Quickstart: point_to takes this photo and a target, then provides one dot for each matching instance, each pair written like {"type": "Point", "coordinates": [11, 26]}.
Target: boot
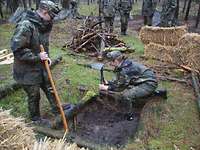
{"type": "Point", "coordinates": [162, 93]}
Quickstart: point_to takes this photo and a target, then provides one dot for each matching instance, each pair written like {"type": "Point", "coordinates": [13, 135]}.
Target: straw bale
{"type": "Point", "coordinates": [161, 35]}
{"type": "Point", "coordinates": [14, 134]}
{"type": "Point", "coordinates": [188, 50]}
{"type": "Point", "coordinates": [158, 51]}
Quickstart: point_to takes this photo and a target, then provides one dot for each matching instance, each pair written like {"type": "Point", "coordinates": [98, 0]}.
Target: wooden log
{"type": "Point", "coordinates": [186, 68]}
{"type": "Point", "coordinates": [196, 86]}
{"type": "Point", "coordinates": [86, 42]}
{"type": "Point", "coordinates": [4, 52]}
{"type": "Point", "coordinates": [165, 78]}
{"type": "Point", "coordinates": [70, 137]}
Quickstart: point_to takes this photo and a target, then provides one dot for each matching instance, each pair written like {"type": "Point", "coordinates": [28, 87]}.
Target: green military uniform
{"type": "Point", "coordinates": [148, 9]}
{"type": "Point", "coordinates": [168, 18]}
{"type": "Point", "coordinates": [124, 8]}
{"type": "Point", "coordinates": [74, 8]}
{"type": "Point", "coordinates": [28, 70]}
{"type": "Point", "coordinates": [133, 82]}
{"type": "Point", "coordinates": [108, 11]}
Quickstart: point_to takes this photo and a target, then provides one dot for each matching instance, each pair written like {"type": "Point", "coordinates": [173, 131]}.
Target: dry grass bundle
{"type": "Point", "coordinates": [14, 134]}
{"type": "Point", "coordinates": [160, 35]}
{"type": "Point", "coordinates": [188, 50]}
{"type": "Point", "coordinates": [153, 50]}
{"type": "Point", "coordinates": [48, 144]}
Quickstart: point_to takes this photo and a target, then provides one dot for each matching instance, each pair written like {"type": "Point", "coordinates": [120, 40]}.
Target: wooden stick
{"type": "Point", "coordinates": [170, 62]}
{"type": "Point", "coordinates": [55, 93]}
{"type": "Point", "coordinates": [76, 50]}
{"type": "Point", "coordinates": [164, 78]}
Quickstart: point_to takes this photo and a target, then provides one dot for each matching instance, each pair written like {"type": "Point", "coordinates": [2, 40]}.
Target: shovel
{"type": "Point", "coordinates": [55, 93]}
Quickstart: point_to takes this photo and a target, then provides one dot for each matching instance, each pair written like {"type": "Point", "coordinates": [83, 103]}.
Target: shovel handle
{"type": "Point", "coordinates": [57, 98]}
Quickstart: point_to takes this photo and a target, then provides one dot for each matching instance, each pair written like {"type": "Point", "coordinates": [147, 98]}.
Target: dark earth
{"type": "Point", "coordinates": [104, 121]}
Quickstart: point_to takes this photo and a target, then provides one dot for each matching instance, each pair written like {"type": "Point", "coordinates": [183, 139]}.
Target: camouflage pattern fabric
{"type": "Point", "coordinates": [148, 9]}
{"type": "Point", "coordinates": [168, 13]}
{"type": "Point", "coordinates": [124, 8]}
{"type": "Point", "coordinates": [108, 10]}
{"type": "Point", "coordinates": [28, 69]}
{"type": "Point", "coordinates": [133, 81]}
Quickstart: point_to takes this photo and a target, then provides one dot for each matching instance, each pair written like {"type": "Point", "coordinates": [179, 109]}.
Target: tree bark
{"type": "Point", "coordinates": [65, 4]}
{"type": "Point", "coordinates": [177, 10]}
{"type": "Point", "coordinates": [184, 6]}
{"type": "Point", "coordinates": [37, 3]}
{"type": "Point", "coordinates": [198, 17]}
{"type": "Point", "coordinates": [188, 10]}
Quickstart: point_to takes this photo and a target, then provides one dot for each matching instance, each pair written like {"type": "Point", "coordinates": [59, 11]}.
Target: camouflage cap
{"type": "Point", "coordinates": [52, 7]}
{"type": "Point", "coordinates": [113, 55]}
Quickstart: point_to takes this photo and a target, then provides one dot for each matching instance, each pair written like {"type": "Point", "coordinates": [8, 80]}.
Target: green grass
{"type": "Point", "coordinates": [135, 43]}
{"type": "Point", "coordinates": [86, 10]}
{"type": "Point", "coordinates": [6, 31]}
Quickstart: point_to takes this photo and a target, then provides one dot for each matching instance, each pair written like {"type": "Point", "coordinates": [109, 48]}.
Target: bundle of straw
{"type": "Point", "coordinates": [14, 134]}
{"type": "Point", "coordinates": [154, 50]}
{"type": "Point", "coordinates": [160, 35]}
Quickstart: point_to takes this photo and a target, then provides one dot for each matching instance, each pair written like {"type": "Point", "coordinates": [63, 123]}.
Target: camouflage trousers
{"type": "Point", "coordinates": [124, 16]}
{"type": "Point", "coordinates": [109, 21]}
{"type": "Point", "coordinates": [33, 93]}
{"type": "Point", "coordinates": [137, 95]}
{"type": "Point", "coordinates": [148, 20]}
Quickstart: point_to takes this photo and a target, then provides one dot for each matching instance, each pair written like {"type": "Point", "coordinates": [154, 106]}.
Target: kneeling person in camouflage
{"type": "Point", "coordinates": [133, 80]}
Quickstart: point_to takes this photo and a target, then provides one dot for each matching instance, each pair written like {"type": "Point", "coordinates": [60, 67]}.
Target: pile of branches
{"type": "Point", "coordinates": [90, 37]}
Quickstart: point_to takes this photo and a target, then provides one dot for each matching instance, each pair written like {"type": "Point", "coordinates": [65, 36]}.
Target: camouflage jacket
{"type": "Point", "coordinates": [148, 7]}
{"type": "Point", "coordinates": [131, 73]}
{"type": "Point", "coordinates": [30, 32]}
{"type": "Point", "coordinates": [108, 8]}
{"type": "Point", "coordinates": [168, 7]}
{"type": "Point", "coordinates": [124, 5]}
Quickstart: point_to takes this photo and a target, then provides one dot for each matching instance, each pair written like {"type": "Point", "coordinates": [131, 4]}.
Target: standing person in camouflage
{"type": "Point", "coordinates": [74, 8]}
{"type": "Point", "coordinates": [148, 9]}
{"type": "Point", "coordinates": [133, 80]}
{"type": "Point", "coordinates": [28, 69]}
{"type": "Point", "coordinates": [124, 7]}
{"type": "Point", "coordinates": [168, 18]}
{"type": "Point", "coordinates": [108, 11]}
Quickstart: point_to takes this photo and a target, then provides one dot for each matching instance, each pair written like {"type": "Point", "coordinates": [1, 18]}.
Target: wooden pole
{"type": "Point", "coordinates": [55, 93]}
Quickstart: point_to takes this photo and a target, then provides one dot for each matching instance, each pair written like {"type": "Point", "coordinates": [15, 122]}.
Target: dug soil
{"type": "Point", "coordinates": [104, 122]}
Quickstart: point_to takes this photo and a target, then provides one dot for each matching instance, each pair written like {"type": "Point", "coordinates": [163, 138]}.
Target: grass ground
{"type": "Point", "coordinates": [166, 125]}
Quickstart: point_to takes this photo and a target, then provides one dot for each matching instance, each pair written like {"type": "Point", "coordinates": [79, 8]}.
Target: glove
{"type": "Point", "coordinates": [44, 56]}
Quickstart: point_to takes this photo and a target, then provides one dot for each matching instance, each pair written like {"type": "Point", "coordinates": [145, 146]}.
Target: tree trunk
{"type": "Point", "coordinates": [37, 3]}
{"type": "Point", "coordinates": [184, 6]}
{"type": "Point", "coordinates": [29, 3]}
{"type": "Point", "coordinates": [188, 10]}
{"type": "Point", "coordinates": [24, 2]}
{"type": "Point", "coordinates": [1, 6]}
{"type": "Point", "coordinates": [65, 4]}
{"type": "Point", "coordinates": [177, 10]}
{"type": "Point", "coordinates": [198, 17]}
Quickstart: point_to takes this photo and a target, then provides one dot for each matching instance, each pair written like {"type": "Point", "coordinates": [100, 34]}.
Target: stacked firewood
{"type": "Point", "coordinates": [90, 37]}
